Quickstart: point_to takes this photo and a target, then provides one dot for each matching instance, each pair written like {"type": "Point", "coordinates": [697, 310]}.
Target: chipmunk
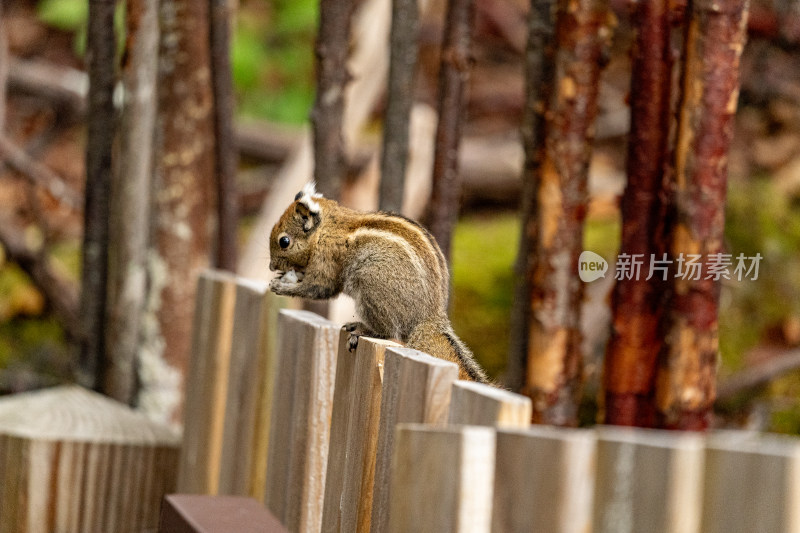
{"type": "Point", "coordinates": [390, 265]}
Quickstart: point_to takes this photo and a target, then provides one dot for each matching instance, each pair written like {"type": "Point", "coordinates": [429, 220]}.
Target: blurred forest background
{"type": "Point", "coordinates": [42, 170]}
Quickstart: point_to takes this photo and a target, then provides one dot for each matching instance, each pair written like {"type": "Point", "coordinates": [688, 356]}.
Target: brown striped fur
{"type": "Point", "coordinates": [390, 265]}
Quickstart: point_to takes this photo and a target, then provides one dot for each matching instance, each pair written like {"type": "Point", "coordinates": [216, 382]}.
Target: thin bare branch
{"type": "Point", "coordinates": [454, 70]}
{"type": "Point", "coordinates": [38, 174]}
{"type": "Point", "coordinates": [403, 50]}
{"type": "Point", "coordinates": [226, 157]}
{"type": "Point", "coordinates": [100, 53]}
{"type": "Point", "coordinates": [333, 46]}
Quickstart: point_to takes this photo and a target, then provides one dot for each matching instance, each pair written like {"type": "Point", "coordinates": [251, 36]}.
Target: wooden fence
{"type": "Point", "coordinates": [385, 439]}
{"type": "Point", "coordinates": [388, 439]}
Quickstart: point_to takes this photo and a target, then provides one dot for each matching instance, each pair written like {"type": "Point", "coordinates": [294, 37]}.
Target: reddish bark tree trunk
{"type": "Point", "coordinates": [554, 369]}
{"type": "Point", "coordinates": [636, 339]}
{"type": "Point", "coordinates": [184, 217]}
{"type": "Point", "coordinates": [453, 77]}
{"type": "Point", "coordinates": [715, 38]}
{"type": "Point", "coordinates": [333, 46]}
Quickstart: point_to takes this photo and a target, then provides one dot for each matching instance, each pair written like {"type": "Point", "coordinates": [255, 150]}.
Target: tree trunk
{"type": "Point", "coordinates": [184, 217]}
{"type": "Point", "coordinates": [637, 303]}
{"type": "Point", "coordinates": [555, 364]}
{"type": "Point", "coordinates": [4, 56]}
{"type": "Point", "coordinates": [130, 201]}
{"type": "Point", "coordinates": [333, 45]}
{"type": "Point", "coordinates": [100, 51]}
{"type": "Point", "coordinates": [714, 41]}
{"type": "Point", "coordinates": [403, 50]}
{"type": "Point", "coordinates": [539, 80]}
{"type": "Point", "coordinates": [226, 155]}
{"type": "Point", "coordinates": [453, 77]}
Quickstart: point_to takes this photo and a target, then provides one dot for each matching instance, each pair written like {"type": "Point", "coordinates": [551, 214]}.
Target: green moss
{"type": "Point", "coordinates": [273, 60]}
{"type": "Point", "coordinates": [484, 251]}
{"type": "Point", "coordinates": [601, 236]}
{"type": "Point", "coordinates": [749, 307]}
{"type": "Point", "coordinates": [73, 15]}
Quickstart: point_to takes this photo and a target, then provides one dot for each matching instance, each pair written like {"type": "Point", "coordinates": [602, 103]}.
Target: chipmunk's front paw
{"type": "Point", "coordinates": [286, 284]}
{"type": "Point", "coordinates": [356, 330]}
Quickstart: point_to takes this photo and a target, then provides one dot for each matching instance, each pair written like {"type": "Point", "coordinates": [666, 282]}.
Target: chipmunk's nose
{"type": "Point", "coordinates": [272, 265]}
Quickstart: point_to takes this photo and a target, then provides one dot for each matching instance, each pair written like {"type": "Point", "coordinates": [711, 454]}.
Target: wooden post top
{"type": "Point", "coordinates": [73, 413]}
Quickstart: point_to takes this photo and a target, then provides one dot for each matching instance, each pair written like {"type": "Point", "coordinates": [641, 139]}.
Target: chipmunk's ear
{"type": "Point", "coordinates": [307, 206]}
{"type": "Point", "coordinates": [309, 218]}
{"type": "Point", "coordinates": [308, 197]}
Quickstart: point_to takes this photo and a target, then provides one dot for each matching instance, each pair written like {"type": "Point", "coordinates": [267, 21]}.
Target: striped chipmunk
{"type": "Point", "coordinates": [390, 265]}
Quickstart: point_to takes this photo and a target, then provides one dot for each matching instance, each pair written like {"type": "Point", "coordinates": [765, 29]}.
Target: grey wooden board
{"type": "Point", "coordinates": [416, 389]}
{"type": "Point", "coordinates": [484, 405]}
{"type": "Point", "coordinates": [301, 417]}
{"type": "Point", "coordinates": [648, 480]}
{"type": "Point", "coordinates": [544, 480]}
{"type": "Point", "coordinates": [752, 483]}
{"type": "Point", "coordinates": [442, 479]}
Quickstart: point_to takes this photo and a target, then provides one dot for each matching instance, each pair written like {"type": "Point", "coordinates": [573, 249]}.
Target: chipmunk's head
{"type": "Point", "coordinates": [292, 237]}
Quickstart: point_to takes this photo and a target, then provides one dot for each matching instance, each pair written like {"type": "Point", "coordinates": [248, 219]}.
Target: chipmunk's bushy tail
{"type": "Point", "coordinates": [437, 338]}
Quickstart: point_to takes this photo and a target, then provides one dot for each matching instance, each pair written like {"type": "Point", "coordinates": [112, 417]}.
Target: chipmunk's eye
{"type": "Point", "coordinates": [284, 242]}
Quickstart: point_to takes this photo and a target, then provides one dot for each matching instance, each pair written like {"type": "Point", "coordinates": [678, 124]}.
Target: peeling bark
{"type": "Point", "coordinates": [403, 50]}
{"type": "Point", "coordinates": [130, 201]}
{"type": "Point", "coordinates": [636, 339]}
{"type": "Point", "coordinates": [100, 49]}
{"type": "Point", "coordinates": [456, 57]}
{"type": "Point", "coordinates": [554, 369]}
{"type": "Point", "coordinates": [184, 217]}
{"type": "Point", "coordinates": [715, 38]}
{"type": "Point", "coordinates": [333, 46]}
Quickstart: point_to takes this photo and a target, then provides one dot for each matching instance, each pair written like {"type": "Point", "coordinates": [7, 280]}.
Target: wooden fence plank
{"type": "Point", "coordinates": [442, 479]}
{"type": "Point", "coordinates": [648, 480]}
{"type": "Point", "coordinates": [752, 483]}
{"type": "Point", "coordinates": [73, 460]}
{"type": "Point", "coordinates": [544, 480]}
{"type": "Point", "coordinates": [251, 374]}
{"type": "Point", "coordinates": [301, 417]}
{"type": "Point", "coordinates": [206, 383]}
{"type": "Point", "coordinates": [362, 435]}
{"type": "Point", "coordinates": [354, 435]}
{"type": "Point", "coordinates": [483, 405]}
{"type": "Point", "coordinates": [340, 424]}
{"type": "Point", "coordinates": [416, 389]}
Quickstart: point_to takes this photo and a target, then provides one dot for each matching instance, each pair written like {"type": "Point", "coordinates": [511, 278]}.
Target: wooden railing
{"type": "Point", "coordinates": [388, 439]}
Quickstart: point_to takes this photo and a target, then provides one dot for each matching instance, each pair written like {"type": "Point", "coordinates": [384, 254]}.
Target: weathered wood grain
{"type": "Point", "coordinates": [544, 480]}
{"type": "Point", "coordinates": [483, 405]}
{"type": "Point", "coordinates": [648, 480]}
{"type": "Point", "coordinates": [301, 417]}
{"type": "Point", "coordinates": [73, 460]}
{"type": "Point", "coordinates": [416, 389]}
{"type": "Point", "coordinates": [442, 479]}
